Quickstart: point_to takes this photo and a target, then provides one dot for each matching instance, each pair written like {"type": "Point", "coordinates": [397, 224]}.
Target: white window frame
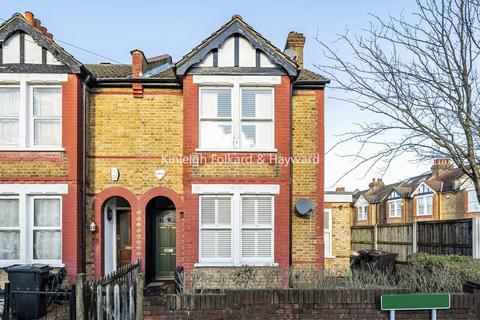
{"type": "Point", "coordinates": [237, 83]}
{"type": "Point", "coordinates": [24, 81]}
{"type": "Point", "coordinates": [31, 117]}
{"type": "Point", "coordinates": [241, 120]}
{"type": "Point", "coordinates": [362, 213]}
{"type": "Point", "coordinates": [236, 191]}
{"type": "Point", "coordinates": [216, 226]}
{"type": "Point", "coordinates": [20, 228]}
{"type": "Point", "coordinates": [25, 193]}
{"type": "Point", "coordinates": [424, 212]}
{"type": "Point", "coordinates": [397, 206]}
{"type": "Point", "coordinates": [327, 234]}
{"type": "Point", "coordinates": [32, 228]}
{"type": "Point", "coordinates": [470, 201]}
{"type": "Point", "coordinates": [246, 260]}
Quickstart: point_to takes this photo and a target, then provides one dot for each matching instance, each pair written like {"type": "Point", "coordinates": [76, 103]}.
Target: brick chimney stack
{"type": "Point", "coordinates": [375, 185]}
{"type": "Point", "coordinates": [138, 67]}
{"type": "Point", "coordinates": [441, 165]}
{"type": "Point", "coordinates": [296, 41]}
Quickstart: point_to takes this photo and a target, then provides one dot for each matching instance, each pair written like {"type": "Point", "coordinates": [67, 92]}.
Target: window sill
{"type": "Point", "coordinates": [32, 149]}
{"type": "Point", "coordinates": [362, 220]}
{"type": "Point", "coordinates": [395, 217]}
{"type": "Point", "coordinates": [237, 150]}
{"type": "Point", "coordinates": [423, 215]}
{"type": "Point", "coordinates": [9, 263]}
{"type": "Point", "coordinates": [231, 265]}
{"type": "Point", "coordinates": [329, 257]}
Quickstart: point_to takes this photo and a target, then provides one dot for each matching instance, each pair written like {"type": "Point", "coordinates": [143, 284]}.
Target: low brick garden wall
{"type": "Point", "coordinates": [296, 304]}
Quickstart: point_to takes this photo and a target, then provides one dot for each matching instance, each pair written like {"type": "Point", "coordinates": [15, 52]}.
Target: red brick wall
{"type": "Point", "coordinates": [187, 231]}
{"type": "Point", "coordinates": [72, 127]}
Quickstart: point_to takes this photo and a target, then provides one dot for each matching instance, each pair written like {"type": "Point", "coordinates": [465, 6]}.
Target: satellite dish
{"type": "Point", "coordinates": [292, 54]}
{"type": "Point", "coordinates": [304, 206]}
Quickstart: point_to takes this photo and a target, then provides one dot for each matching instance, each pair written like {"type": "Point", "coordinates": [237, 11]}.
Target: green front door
{"type": "Point", "coordinates": [165, 244]}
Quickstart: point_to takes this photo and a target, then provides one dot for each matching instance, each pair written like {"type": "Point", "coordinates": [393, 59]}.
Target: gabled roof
{"type": "Point", "coordinates": [106, 71]}
{"type": "Point", "coordinates": [236, 25]}
{"type": "Point", "coordinates": [18, 23]}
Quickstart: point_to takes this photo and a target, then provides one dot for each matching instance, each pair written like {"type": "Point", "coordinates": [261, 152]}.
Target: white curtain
{"type": "Point", "coordinates": [9, 105]}
{"type": "Point", "coordinates": [47, 245]}
{"type": "Point", "coordinates": [8, 213]}
{"type": "Point", "coordinates": [47, 213]}
{"type": "Point", "coordinates": [47, 112]}
{"type": "Point", "coordinates": [9, 245]}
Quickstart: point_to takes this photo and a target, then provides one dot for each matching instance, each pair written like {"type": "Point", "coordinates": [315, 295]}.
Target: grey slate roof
{"type": "Point", "coordinates": [122, 71]}
{"type": "Point", "coordinates": [307, 75]}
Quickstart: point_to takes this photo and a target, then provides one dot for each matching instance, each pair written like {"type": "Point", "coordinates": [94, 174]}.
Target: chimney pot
{"type": "Point", "coordinates": [296, 41]}
{"type": "Point", "coordinates": [49, 36]}
{"type": "Point", "coordinates": [29, 17]}
{"type": "Point", "coordinates": [340, 189]}
{"type": "Point", "coordinates": [37, 23]}
{"type": "Point", "coordinates": [43, 30]}
{"type": "Point", "coordinates": [440, 165]}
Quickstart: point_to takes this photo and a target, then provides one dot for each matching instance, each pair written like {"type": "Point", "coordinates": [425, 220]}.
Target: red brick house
{"type": "Point", "coordinates": [41, 148]}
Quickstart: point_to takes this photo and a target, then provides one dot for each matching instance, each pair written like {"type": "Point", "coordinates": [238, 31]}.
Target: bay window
{"type": "Point", "coordinates": [30, 116]}
{"type": "Point", "coordinates": [31, 227]}
{"type": "Point", "coordinates": [236, 118]}
{"type": "Point", "coordinates": [473, 205]}
{"type": "Point", "coordinates": [395, 208]}
{"type": "Point", "coordinates": [424, 205]}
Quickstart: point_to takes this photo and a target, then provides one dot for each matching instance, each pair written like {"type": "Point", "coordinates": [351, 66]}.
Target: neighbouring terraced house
{"type": "Point", "coordinates": [441, 194]}
{"type": "Point", "coordinates": [179, 164]}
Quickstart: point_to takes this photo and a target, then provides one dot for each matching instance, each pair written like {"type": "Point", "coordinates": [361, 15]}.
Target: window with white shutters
{"type": "Point", "coordinates": [256, 119]}
{"type": "Point", "coordinates": [257, 229]}
{"type": "Point", "coordinates": [216, 118]}
{"type": "Point", "coordinates": [216, 228]}
{"type": "Point", "coordinates": [236, 118]}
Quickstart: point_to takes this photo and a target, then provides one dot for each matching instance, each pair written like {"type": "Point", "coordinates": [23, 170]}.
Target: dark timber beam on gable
{"type": "Point", "coordinates": [235, 27]}
{"type": "Point", "coordinates": [18, 24]}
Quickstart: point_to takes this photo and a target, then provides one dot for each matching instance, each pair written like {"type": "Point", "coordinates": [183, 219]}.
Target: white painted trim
{"type": "Point", "coordinates": [423, 184]}
{"type": "Point", "coordinates": [361, 202]}
{"type": "Point", "coordinates": [338, 198]}
{"type": "Point", "coordinates": [33, 188]}
{"type": "Point", "coordinates": [468, 190]}
{"type": "Point", "coordinates": [229, 265]}
{"type": "Point", "coordinates": [235, 188]}
{"type": "Point", "coordinates": [395, 203]}
{"type": "Point", "coordinates": [235, 191]}
{"type": "Point", "coordinates": [425, 198]}
{"type": "Point", "coordinates": [330, 233]}
{"type": "Point", "coordinates": [33, 78]}
{"type": "Point", "coordinates": [274, 150]}
{"type": "Point", "coordinates": [239, 80]}
{"type": "Point", "coordinates": [26, 194]}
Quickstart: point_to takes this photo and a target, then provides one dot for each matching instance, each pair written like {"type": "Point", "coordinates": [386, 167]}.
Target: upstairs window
{"type": "Point", "coordinates": [395, 208]}
{"type": "Point", "coordinates": [30, 117]}
{"type": "Point", "coordinates": [256, 119]}
{"type": "Point", "coordinates": [236, 118]}
{"type": "Point", "coordinates": [362, 213]}
{"type": "Point", "coordinates": [473, 205]}
{"type": "Point", "coordinates": [9, 115]}
{"type": "Point", "coordinates": [47, 116]}
{"type": "Point", "coordinates": [424, 205]}
{"type": "Point", "coordinates": [327, 234]}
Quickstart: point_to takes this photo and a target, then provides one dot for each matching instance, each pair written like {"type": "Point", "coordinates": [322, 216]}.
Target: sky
{"type": "Point", "coordinates": [113, 28]}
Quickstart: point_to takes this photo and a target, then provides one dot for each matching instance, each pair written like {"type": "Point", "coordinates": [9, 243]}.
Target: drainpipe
{"type": "Point", "coordinates": [290, 213]}
{"type": "Point", "coordinates": [84, 174]}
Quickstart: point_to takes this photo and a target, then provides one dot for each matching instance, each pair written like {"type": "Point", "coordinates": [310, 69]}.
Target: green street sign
{"type": "Point", "coordinates": [415, 301]}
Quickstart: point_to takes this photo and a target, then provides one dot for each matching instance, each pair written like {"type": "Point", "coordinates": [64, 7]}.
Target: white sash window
{"type": "Point", "coordinates": [47, 116]}
{"type": "Point", "coordinates": [9, 115]}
